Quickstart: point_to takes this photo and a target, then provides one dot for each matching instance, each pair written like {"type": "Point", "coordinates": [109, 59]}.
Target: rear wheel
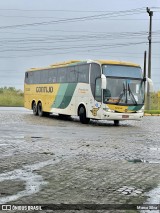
{"type": "Point", "coordinates": [34, 108]}
{"type": "Point", "coordinates": [82, 116]}
{"type": "Point", "coordinates": [116, 122]}
{"type": "Point", "coordinates": [40, 109]}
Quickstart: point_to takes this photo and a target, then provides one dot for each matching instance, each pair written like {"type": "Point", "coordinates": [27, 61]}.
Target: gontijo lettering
{"type": "Point", "coordinates": [44, 89]}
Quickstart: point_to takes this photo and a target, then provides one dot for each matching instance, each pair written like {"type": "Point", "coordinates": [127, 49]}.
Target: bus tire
{"type": "Point", "coordinates": [40, 109]}
{"type": "Point", "coordinates": [116, 122]}
{"type": "Point", "coordinates": [82, 115]}
{"type": "Point", "coordinates": [34, 108]}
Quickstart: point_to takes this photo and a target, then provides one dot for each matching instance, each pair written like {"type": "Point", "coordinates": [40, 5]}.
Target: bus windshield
{"type": "Point", "coordinates": [125, 85]}
{"type": "Point", "coordinates": [122, 71]}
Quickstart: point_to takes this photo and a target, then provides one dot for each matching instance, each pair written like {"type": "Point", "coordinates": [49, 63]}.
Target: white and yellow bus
{"type": "Point", "coordinates": [92, 89]}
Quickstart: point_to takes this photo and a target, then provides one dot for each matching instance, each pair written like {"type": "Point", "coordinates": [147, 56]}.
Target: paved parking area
{"type": "Point", "coordinates": [51, 160]}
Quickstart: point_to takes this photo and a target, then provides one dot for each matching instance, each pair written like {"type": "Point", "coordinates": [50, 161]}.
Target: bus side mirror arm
{"type": "Point", "coordinates": [103, 81]}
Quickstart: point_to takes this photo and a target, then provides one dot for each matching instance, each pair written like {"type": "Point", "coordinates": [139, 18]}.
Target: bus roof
{"type": "Point", "coordinates": [77, 62]}
{"type": "Point", "coordinates": [117, 63]}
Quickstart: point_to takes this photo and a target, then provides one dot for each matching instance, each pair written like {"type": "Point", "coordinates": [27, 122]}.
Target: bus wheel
{"type": "Point", "coordinates": [82, 116]}
{"type": "Point", "coordinates": [40, 110]}
{"type": "Point", "coordinates": [116, 122]}
{"type": "Point", "coordinates": [34, 108]}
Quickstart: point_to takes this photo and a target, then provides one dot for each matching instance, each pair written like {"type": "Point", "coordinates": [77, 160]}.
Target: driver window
{"type": "Point", "coordinates": [106, 95]}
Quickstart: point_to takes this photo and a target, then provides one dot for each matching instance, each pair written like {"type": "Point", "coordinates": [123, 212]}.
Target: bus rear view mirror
{"type": "Point", "coordinates": [150, 84]}
{"type": "Point", "coordinates": [104, 81]}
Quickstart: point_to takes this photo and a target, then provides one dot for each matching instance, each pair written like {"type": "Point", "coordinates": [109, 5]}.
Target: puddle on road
{"type": "Point", "coordinates": [13, 137]}
{"type": "Point", "coordinates": [154, 195]}
{"type": "Point", "coordinates": [154, 148]}
{"type": "Point", "coordinates": [154, 198]}
{"type": "Point", "coordinates": [130, 190]}
{"type": "Point", "coordinates": [33, 181]}
{"type": "Point", "coordinates": [36, 137]}
{"type": "Point", "coordinates": [153, 151]}
{"type": "Point", "coordinates": [143, 161]}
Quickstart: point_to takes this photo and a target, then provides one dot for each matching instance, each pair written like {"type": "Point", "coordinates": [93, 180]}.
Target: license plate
{"type": "Point", "coordinates": [125, 116]}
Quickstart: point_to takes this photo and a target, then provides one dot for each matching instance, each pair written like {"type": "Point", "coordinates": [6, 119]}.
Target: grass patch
{"type": "Point", "coordinates": [10, 97]}
{"type": "Point", "coordinates": [152, 112]}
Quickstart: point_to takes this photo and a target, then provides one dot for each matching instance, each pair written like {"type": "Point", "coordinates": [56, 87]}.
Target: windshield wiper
{"type": "Point", "coordinates": [129, 89]}
{"type": "Point", "coordinates": [125, 92]}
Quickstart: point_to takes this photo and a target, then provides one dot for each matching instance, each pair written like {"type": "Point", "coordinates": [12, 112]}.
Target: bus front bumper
{"type": "Point", "coordinates": [123, 116]}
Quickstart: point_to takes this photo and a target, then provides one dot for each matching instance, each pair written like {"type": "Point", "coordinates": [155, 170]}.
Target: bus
{"type": "Point", "coordinates": [91, 89]}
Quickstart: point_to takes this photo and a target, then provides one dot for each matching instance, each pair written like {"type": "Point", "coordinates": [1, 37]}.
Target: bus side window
{"type": "Point", "coordinates": [98, 90]}
{"type": "Point", "coordinates": [36, 77]}
{"type": "Point", "coordinates": [30, 77]}
{"type": "Point", "coordinates": [71, 75]}
{"type": "Point", "coordinates": [52, 76]}
{"type": "Point", "coordinates": [26, 77]}
{"type": "Point", "coordinates": [61, 75]}
{"type": "Point", "coordinates": [83, 73]}
{"type": "Point", "coordinates": [43, 77]}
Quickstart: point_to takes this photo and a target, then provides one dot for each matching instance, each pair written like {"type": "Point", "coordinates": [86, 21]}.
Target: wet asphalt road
{"type": "Point", "coordinates": [53, 160]}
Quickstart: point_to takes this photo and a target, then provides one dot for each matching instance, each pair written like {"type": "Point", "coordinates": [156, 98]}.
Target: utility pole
{"type": "Point", "coordinates": [149, 56]}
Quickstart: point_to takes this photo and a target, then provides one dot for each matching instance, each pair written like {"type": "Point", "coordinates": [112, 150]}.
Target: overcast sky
{"type": "Point", "coordinates": [41, 32]}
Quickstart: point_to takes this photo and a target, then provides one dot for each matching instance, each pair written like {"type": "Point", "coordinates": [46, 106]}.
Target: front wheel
{"type": "Point", "coordinates": [82, 116]}
{"type": "Point", "coordinates": [40, 109]}
{"type": "Point", "coordinates": [116, 122]}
